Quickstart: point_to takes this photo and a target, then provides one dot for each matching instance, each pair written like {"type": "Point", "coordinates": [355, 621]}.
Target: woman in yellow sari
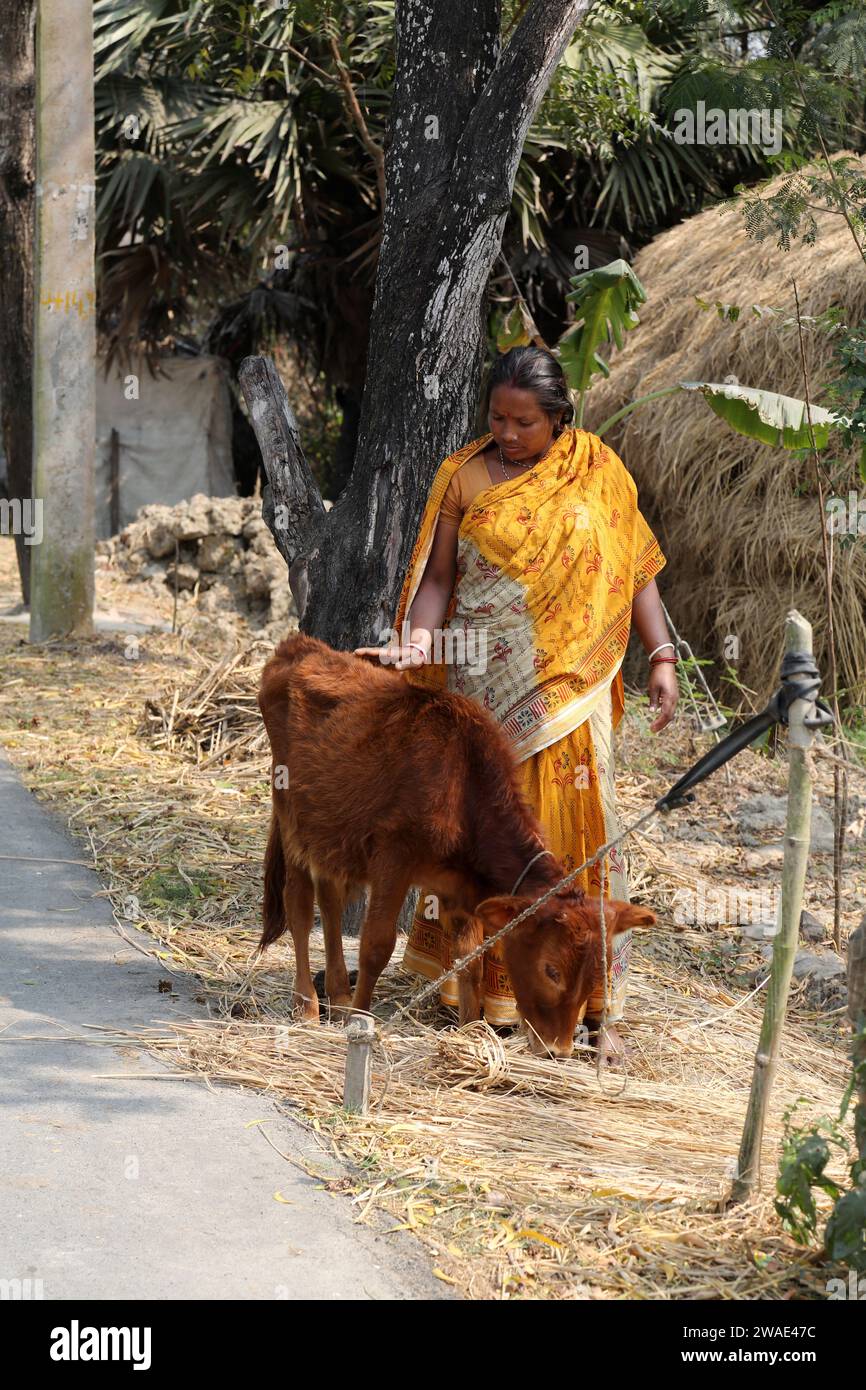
{"type": "Point", "coordinates": [532, 561]}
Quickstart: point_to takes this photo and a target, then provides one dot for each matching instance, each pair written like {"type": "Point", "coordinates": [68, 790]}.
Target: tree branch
{"type": "Point", "coordinates": [356, 114]}
{"type": "Point", "coordinates": [493, 140]}
{"type": "Point", "coordinates": [291, 504]}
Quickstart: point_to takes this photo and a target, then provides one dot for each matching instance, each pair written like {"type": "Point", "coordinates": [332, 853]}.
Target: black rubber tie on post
{"type": "Point", "coordinates": [800, 681]}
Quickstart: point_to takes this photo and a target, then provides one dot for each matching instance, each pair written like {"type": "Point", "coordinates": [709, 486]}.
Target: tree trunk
{"type": "Point", "coordinates": [64, 338]}
{"type": "Point", "coordinates": [17, 219]}
{"type": "Point", "coordinates": [459, 116]}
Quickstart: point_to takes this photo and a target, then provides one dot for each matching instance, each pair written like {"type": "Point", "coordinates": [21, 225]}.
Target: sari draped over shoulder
{"type": "Point", "coordinates": [548, 565]}
{"type": "Point", "coordinates": [535, 630]}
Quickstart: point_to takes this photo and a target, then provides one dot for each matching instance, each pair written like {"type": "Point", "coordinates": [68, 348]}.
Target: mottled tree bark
{"type": "Point", "coordinates": [17, 221]}
{"type": "Point", "coordinates": [460, 113]}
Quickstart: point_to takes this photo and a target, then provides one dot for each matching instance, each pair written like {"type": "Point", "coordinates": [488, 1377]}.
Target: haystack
{"type": "Point", "coordinates": [739, 521]}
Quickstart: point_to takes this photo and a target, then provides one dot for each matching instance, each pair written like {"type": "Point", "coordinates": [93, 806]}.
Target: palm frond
{"type": "Point", "coordinates": [122, 28]}
{"type": "Point", "coordinates": [650, 178]}
{"type": "Point", "coordinates": [136, 182]}
{"type": "Point", "coordinates": [609, 45]}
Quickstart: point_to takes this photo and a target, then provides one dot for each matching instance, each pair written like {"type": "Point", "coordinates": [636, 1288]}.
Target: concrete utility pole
{"type": "Point", "coordinates": [64, 415]}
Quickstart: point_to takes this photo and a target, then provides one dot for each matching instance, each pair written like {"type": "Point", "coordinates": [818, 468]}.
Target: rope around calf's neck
{"type": "Point", "coordinates": [433, 985]}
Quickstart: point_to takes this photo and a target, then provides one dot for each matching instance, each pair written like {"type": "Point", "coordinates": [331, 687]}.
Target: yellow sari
{"type": "Point", "coordinates": [536, 628]}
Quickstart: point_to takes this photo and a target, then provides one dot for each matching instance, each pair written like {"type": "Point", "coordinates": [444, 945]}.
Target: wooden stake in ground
{"type": "Point", "coordinates": [65, 313]}
{"type": "Point", "coordinates": [798, 638]}
{"type": "Point", "coordinates": [360, 1033]}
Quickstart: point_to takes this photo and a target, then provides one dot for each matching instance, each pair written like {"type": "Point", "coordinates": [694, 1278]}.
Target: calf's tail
{"type": "Point", "coordinates": [273, 902]}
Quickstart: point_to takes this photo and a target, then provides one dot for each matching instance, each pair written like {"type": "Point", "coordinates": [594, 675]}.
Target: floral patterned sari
{"type": "Point", "coordinates": [536, 628]}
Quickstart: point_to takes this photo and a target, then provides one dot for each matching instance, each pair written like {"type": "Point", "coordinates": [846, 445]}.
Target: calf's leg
{"type": "Point", "coordinates": [298, 906]}
{"type": "Point", "coordinates": [379, 934]}
{"type": "Point", "coordinates": [466, 933]}
{"type": "Point", "coordinates": [331, 898]}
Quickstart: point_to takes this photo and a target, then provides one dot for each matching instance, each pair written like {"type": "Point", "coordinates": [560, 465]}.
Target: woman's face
{"type": "Point", "coordinates": [518, 424]}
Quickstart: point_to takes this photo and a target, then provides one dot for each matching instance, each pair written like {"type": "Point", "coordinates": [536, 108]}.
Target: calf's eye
{"type": "Point", "coordinates": [552, 973]}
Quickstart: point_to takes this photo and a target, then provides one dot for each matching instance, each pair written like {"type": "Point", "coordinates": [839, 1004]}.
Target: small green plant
{"type": "Point", "coordinates": [693, 690]}
{"type": "Point", "coordinates": [167, 888]}
{"type": "Point", "coordinates": [805, 1154]}
{"type": "Point", "coordinates": [837, 185]}
{"type": "Point", "coordinates": [855, 730]}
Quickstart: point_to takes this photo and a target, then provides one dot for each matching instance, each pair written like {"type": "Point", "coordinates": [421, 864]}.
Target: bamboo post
{"type": "Point", "coordinates": [360, 1033]}
{"type": "Point", "coordinates": [798, 637]}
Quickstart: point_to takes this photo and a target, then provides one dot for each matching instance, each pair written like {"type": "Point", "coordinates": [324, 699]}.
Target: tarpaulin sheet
{"type": "Point", "coordinates": [173, 441]}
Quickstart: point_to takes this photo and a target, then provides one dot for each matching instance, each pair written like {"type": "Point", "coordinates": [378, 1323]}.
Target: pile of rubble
{"type": "Point", "coordinates": [216, 552]}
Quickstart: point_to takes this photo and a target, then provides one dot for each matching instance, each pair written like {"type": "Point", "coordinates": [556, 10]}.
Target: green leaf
{"type": "Point", "coordinates": [727, 312]}
{"type": "Point", "coordinates": [767, 416]}
{"type": "Point", "coordinates": [606, 302]}
{"type": "Point", "coordinates": [512, 330]}
{"type": "Point", "coordinates": [845, 1236]}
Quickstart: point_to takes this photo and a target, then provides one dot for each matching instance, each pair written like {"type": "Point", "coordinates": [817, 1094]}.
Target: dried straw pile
{"type": "Point", "coordinates": [738, 521]}
{"type": "Point", "coordinates": [214, 715]}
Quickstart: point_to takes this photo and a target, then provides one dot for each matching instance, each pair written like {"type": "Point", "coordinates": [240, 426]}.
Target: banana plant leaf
{"type": "Point", "coordinates": [606, 301]}
{"type": "Point", "coordinates": [767, 416]}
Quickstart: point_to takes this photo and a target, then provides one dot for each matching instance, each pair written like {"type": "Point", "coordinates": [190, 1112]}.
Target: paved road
{"type": "Point", "coordinates": [112, 1188]}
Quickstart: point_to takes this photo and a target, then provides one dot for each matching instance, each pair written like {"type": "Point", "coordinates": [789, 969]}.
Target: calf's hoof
{"type": "Point", "coordinates": [305, 1010]}
{"type": "Point", "coordinates": [341, 1009]}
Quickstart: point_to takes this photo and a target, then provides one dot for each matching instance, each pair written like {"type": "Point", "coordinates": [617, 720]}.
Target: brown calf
{"type": "Point", "coordinates": [377, 782]}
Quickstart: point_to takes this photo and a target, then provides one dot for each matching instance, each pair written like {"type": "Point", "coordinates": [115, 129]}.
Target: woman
{"type": "Point", "coordinates": [531, 564]}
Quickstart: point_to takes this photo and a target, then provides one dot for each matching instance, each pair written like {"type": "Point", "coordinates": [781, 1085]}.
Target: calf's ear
{"type": "Point", "coordinates": [572, 894]}
{"type": "Point", "coordinates": [324, 689]}
{"type": "Point", "coordinates": [631, 915]}
{"type": "Point", "coordinates": [495, 912]}
{"type": "Point", "coordinates": [466, 931]}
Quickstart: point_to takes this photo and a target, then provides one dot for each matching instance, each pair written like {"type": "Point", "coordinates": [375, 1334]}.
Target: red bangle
{"type": "Point", "coordinates": [671, 659]}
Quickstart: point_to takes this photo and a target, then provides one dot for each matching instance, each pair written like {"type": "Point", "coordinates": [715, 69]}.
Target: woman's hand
{"type": "Point", "coordinates": [394, 654]}
{"type": "Point", "coordinates": [663, 693]}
